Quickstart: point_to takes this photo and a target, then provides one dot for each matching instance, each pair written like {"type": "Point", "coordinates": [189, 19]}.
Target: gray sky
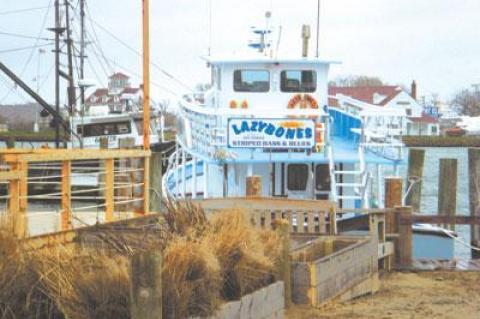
{"type": "Point", "coordinates": [432, 41]}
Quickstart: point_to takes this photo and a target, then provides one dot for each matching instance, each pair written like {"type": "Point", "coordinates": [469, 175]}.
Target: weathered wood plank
{"type": "Point", "coordinates": [474, 196]}
{"type": "Point", "coordinates": [447, 187]}
{"type": "Point", "coordinates": [416, 160]}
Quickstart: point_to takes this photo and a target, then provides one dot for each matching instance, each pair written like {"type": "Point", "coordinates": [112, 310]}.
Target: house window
{"type": "Point", "coordinates": [297, 175]}
{"type": "Point", "coordinates": [409, 112]}
{"type": "Point", "coordinates": [434, 129]}
{"type": "Point", "coordinates": [251, 81]}
{"type": "Point", "coordinates": [298, 81]}
{"type": "Point", "coordinates": [102, 129]}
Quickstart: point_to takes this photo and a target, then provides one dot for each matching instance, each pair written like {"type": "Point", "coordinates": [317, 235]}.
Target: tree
{"type": "Point", "coordinates": [356, 80]}
{"type": "Point", "coordinates": [467, 102]}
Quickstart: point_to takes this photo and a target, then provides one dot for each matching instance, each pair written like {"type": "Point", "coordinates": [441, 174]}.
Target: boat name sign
{"type": "Point", "coordinates": [271, 133]}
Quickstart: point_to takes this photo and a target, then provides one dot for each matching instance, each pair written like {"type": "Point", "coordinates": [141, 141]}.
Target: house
{"type": "Point", "coordinates": [120, 96]}
{"type": "Point", "coordinates": [417, 121]}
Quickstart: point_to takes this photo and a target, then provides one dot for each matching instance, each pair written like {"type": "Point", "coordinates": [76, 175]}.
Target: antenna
{"type": "Point", "coordinates": [318, 27]}
{"type": "Point", "coordinates": [209, 27]}
{"type": "Point", "coordinates": [278, 41]}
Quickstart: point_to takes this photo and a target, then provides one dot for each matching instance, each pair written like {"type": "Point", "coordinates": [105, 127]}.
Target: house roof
{"type": "Point", "coordinates": [98, 93]}
{"type": "Point", "coordinates": [130, 90]}
{"type": "Point", "coordinates": [118, 75]}
{"type": "Point", "coordinates": [367, 93]}
{"type": "Point", "coordinates": [425, 118]}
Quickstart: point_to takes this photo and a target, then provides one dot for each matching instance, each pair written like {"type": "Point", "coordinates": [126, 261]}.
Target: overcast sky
{"type": "Point", "coordinates": [435, 42]}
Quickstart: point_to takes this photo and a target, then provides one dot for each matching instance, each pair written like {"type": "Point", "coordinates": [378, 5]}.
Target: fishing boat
{"type": "Point", "coordinates": [271, 117]}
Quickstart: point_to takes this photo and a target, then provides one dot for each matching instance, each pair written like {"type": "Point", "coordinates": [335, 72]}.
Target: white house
{"type": "Point", "coordinates": [416, 122]}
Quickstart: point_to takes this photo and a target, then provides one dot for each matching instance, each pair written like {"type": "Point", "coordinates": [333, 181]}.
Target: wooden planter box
{"type": "Point", "coordinates": [334, 267]}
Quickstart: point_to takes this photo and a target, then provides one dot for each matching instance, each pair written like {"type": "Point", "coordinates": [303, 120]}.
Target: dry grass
{"type": "Point", "coordinates": [204, 262]}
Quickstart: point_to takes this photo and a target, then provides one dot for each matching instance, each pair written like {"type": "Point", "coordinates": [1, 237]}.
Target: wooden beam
{"type": "Point", "coordinates": [66, 215]}
{"type": "Point", "coordinates": [146, 74]}
{"type": "Point", "coordinates": [72, 155]}
{"type": "Point", "coordinates": [423, 219]}
{"type": "Point", "coordinates": [416, 159]}
{"type": "Point", "coordinates": [393, 198]}
{"type": "Point", "coordinates": [447, 188]}
{"type": "Point", "coordinates": [109, 194]}
{"type": "Point", "coordinates": [403, 249]}
{"type": "Point", "coordinates": [146, 186]}
{"type": "Point", "coordinates": [11, 175]}
{"type": "Point", "coordinates": [474, 196]}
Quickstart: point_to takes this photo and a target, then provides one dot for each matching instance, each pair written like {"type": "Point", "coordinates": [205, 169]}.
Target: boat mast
{"type": "Point", "coordinates": [318, 27]}
{"type": "Point", "coordinates": [146, 76]}
{"type": "Point", "coordinates": [71, 85]}
{"type": "Point", "coordinates": [82, 53]}
{"type": "Point", "coordinates": [57, 71]}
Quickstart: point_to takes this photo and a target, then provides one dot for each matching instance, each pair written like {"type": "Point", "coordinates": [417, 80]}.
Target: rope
{"type": "Point", "coordinates": [464, 243]}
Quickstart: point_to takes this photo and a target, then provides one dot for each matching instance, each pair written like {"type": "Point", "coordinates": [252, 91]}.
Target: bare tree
{"type": "Point", "coordinates": [356, 80]}
{"type": "Point", "coordinates": [467, 102]}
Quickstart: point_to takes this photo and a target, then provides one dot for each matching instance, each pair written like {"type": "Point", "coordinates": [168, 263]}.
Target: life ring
{"type": "Point", "coordinates": [304, 101]}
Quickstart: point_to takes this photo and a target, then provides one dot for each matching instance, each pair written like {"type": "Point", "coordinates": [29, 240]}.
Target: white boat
{"type": "Point", "coordinates": [271, 117]}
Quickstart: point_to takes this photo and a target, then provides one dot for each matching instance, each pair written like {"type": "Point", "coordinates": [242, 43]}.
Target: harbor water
{"type": "Point", "coordinates": [429, 199]}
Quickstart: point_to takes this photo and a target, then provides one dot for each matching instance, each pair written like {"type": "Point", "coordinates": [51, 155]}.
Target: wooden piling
{"type": "Point", "coordinates": [156, 182]}
{"type": "Point", "coordinates": [447, 188]}
{"type": "Point", "coordinates": [403, 246]}
{"type": "Point", "coordinates": [283, 227]}
{"type": "Point", "coordinates": [474, 195]}
{"type": "Point", "coordinates": [393, 198]}
{"type": "Point", "coordinates": [254, 186]}
{"type": "Point", "coordinates": [416, 159]}
{"type": "Point", "coordinates": [146, 285]}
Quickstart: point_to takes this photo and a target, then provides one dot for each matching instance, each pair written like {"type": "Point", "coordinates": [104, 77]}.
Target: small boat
{"type": "Point", "coordinates": [455, 131]}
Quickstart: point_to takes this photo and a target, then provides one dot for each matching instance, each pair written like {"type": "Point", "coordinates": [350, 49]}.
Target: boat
{"type": "Point", "coordinates": [455, 131]}
{"type": "Point", "coordinates": [271, 117]}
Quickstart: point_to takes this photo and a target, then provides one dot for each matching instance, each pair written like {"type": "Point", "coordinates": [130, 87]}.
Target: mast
{"type": "Point", "coordinates": [71, 86]}
{"type": "Point", "coordinates": [57, 71]}
{"type": "Point", "coordinates": [318, 27]}
{"type": "Point", "coordinates": [146, 75]}
{"type": "Point", "coordinates": [82, 53]}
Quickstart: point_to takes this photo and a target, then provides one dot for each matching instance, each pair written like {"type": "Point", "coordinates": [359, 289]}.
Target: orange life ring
{"type": "Point", "coordinates": [304, 101]}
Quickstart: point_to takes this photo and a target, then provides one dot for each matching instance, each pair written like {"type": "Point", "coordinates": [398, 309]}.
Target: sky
{"type": "Point", "coordinates": [435, 42]}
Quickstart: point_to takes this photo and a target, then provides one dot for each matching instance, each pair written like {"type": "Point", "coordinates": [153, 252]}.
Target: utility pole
{"type": "Point", "coordinates": [71, 86]}
{"type": "Point", "coordinates": [82, 53]}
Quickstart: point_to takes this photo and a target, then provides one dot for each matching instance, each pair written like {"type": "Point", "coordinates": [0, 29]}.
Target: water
{"type": "Point", "coordinates": [429, 200]}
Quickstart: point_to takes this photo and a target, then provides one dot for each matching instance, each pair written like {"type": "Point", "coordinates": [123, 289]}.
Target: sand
{"type": "Point", "coordinates": [439, 295]}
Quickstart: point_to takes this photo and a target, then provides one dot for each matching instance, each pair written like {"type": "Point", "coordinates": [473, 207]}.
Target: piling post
{"type": "Point", "coordinates": [284, 270]}
{"type": "Point", "coordinates": [155, 182]}
{"type": "Point", "coordinates": [146, 285]}
{"type": "Point", "coordinates": [447, 188]}
{"type": "Point", "coordinates": [254, 186]}
{"type": "Point", "coordinates": [403, 247]}
{"type": "Point", "coordinates": [416, 159]}
{"type": "Point", "coordinates": [125, 177]}
{"type": "Point", "coordinates": [66, 215]}
{"type": "Point", "coordinates": [109, 165]}
{"type": "Point", "coordinates": [474, 191]}
{"type": "Point", "coordinates": [393, 198]}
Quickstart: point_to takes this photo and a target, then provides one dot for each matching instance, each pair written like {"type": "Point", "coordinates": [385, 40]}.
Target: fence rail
{"type": "Point", "coordinates": [114, 181]}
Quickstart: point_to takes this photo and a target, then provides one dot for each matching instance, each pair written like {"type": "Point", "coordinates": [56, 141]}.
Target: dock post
{"type": "Point", "coordinates": [17, 202]}
{"type": "Point", "coordinates": [254, 186]}
{"type": "Point", "coordinates": [403, 247]}
{"type": "Point", "coordinates": [393, 198]}
{"type": "Point", "coordinates": [109, 179]}
{"type": "Point", "coordinates": [146, 285]}
{"type": "Point", "coordinates": [447, 188]}
{"type": "Point", "coordinates": [66, 215]}
{"type": "Point", "coordinates": [283, 227]}
{"type": "Point", "coordinates": [155, 182]}
{"type": "Point", "coordinates": [416, 159]}
{"type": "Point", "coordinates": [474, 189]}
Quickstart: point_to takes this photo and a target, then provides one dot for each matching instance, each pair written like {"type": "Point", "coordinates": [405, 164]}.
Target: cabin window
{"type": "Point", "coordinates": [322, 177]}
{"type": "Point", "coordinates": [297, 175]}
{"type": "Point", "coordinates": [102, 129]}
{"type": "Point", "coordinates": [298, 81]}
{"type": "Point", "coordinates": [251, 81]}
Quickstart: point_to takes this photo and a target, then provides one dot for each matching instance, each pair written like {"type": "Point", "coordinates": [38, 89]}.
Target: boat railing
{"type": "Point", "coordinates": [49, 190]}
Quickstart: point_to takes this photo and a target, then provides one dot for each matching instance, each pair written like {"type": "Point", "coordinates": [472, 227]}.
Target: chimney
{"type": "Point", "coordinates": [305, 38]}
{"type": "Point", "coordinates": [413, 90]}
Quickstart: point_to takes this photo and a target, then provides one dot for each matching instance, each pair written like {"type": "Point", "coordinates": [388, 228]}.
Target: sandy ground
{"type": "Point", "coordinates": [439, 295]}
